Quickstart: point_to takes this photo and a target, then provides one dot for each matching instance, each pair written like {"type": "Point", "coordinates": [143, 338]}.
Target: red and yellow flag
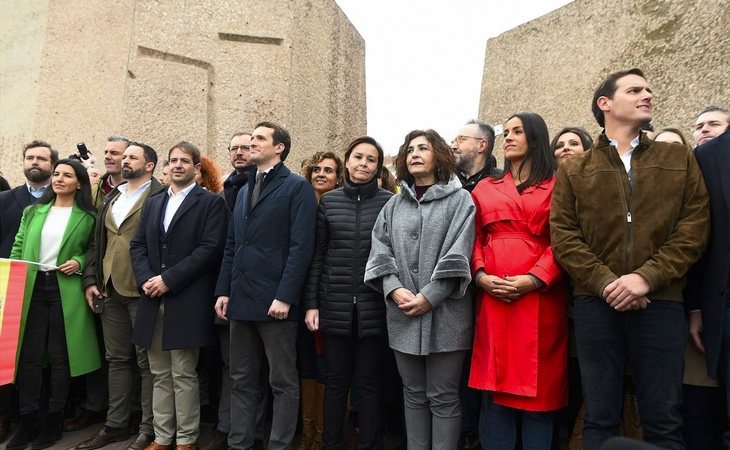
{"type": "Point", "coordinates": [12, 291]}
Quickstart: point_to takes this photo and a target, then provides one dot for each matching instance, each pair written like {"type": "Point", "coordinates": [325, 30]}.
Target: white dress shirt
{"type": "Point", "coordinates": [125, 200]}
{"type": "Point", "coordinates": [174, 202]}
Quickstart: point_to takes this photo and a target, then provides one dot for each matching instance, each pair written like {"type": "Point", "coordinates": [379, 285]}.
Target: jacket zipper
{"type": "Point", "coordinates": [627, 203]}
{"type": "Point", "coordinates": [356, 249]}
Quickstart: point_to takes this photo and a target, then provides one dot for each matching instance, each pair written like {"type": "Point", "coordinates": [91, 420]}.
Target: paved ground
{"type": "Point", "coordinates": [70, 440]}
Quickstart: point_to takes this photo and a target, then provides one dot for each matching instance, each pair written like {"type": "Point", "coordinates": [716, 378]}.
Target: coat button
{"type": "Point", "coordinates": [415, 269]}
{"type": "Point", "coordinates": [163, 266]}
{"type": "Point", "coordinates": [164, 245]}
{"type": "Point", "coordinates": [414, 235]}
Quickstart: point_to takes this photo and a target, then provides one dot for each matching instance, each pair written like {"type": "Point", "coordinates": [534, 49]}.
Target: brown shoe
{"type": "Point", "coordinates": [186, 446]}
{"type": "Point", "coordinates": [142, 441]}
{"type": "Point", "coordinates": [155, 446]}
{"type": "Point", "coordinates": [84, 420]}
{"type": "Point", "coordinates": [104, 437]}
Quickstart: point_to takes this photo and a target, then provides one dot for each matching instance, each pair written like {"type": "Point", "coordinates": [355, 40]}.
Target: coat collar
{"type": "Point", "coordinates": [190, 199]}
{"type": "Point", "coordinates": [77, 214]}
{"type": "Point", "coordinates": [435, 192]}
{"type": "Point", "coordinates": [363, 190]}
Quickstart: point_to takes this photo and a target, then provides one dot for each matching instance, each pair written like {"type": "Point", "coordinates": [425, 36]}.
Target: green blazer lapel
{"type": "Point", "coordinates": [77, 214]}
{"type": "Point", "coordinates": [34, 227]}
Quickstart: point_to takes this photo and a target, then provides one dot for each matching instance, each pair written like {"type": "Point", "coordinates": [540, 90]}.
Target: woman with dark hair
{"type": "Point", "coordinates": [419, 260]}
{"type": "Point", "coordinates": [324, 171]}
{"type": "Point", "coordinates": [56, 323]}
{"type": "Point", "coordinates": [386, 180]}
{"type": "Point", "coordinates": [521, 336]}
{"type": "Point", "coordinates": [570, 141]}
{"type": "Point", "coordinates": [209, 176]}
{"type": "Point", "coordinates": [4, 185]}
{"type": "Point", "coordinates": [349, 314]}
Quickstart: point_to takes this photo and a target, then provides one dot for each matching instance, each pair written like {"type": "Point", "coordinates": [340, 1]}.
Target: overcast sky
{"type": "Point", "coordinates": [424, 59]}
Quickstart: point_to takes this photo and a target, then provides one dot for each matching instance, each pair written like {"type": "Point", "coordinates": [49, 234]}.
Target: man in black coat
{"type": "Point", "coordinates": [472, 149]}
{"type": "Point", "coordinates": [38, 161]}
{"type": "Point", "coordinates": [269, 248]}
{"type": "Point", "coordinates": [175, 256]}
{"type": "Point", "coordinates": [708, 287]}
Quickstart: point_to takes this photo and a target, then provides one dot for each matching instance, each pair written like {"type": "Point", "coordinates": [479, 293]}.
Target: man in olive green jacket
{"type": "Point", "coordinates": [109, 276]}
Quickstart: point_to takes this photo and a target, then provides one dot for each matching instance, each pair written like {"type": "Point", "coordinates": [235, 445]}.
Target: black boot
{"type": "Point", "coordinates": [50, 431]}
{"type": "Point", "coordinates": [26, 432]}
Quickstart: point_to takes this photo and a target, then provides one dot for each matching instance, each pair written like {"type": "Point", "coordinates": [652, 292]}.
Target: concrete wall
{"type": "Point", "coordinates": [553, 64]}
{"type": "Point", "coordinates": [162, 71]}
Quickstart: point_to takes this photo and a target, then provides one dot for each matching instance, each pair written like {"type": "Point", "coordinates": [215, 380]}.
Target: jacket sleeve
{"type": "Point", "coordinates": [477, 256]}
{"type": "Point", "coordinates": [89, 277]}
{"type": "Point", "coordinates": [569, 245]}
{"type": "Point", "coordinates": [17, 250]}
{"type": "Point", "coordinates": [302, 224]}
{"type": "Point", "coordinates": [208, 251]}
{"type": "Point", "coordinates": [454, 257]}
{"type": "Point", "coordinates": [138, 251]}
{"type": "Point", "coordinates": [223, 286]}
{"type": "Point", "coordinates": [689, 238]}
{"type": "Point", "coordinates": [321, 242]}
{"type": "Point", "coordinates": [381, 270]}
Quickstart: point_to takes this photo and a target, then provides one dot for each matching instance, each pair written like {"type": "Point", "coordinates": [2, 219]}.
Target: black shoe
{"type": "Point", "coordinates": [50, 432]}
{"type": "Point", "coordinates": [26, 433]}
{"type": "Point", "coordinates": [4, 429]}
{"type": "Point", "coordinates": [469, 441]}
{"type": "Point", "coordinates": [219, 441]}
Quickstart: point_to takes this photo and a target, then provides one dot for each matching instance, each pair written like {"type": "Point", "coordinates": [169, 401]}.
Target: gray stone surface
{"type": "Point", "coordinates": [552, 65]}
{"type": "Point", "coordinates": [161, 71]}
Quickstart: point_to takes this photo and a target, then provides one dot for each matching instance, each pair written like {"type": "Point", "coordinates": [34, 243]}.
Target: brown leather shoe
{"type": "Point", "coordinates": [142, 441]}
{"type": "Point", "coordinates": [186, 446]}
{"type": "Point", "coordinates": [84, 420]}
{"type": "Point", "coordinates": [155, 446]}
{"type": "Point", "coordinates": [103, 438]}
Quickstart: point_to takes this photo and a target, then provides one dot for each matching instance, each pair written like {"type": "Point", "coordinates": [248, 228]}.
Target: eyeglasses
{"type": "Point", "coordinates": [461, 138]}
{"type": "Point", "coordinates": [236, 148]}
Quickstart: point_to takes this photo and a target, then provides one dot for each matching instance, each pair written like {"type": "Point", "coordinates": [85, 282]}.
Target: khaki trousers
{"type": "Point", "coordinates": [175, 393]}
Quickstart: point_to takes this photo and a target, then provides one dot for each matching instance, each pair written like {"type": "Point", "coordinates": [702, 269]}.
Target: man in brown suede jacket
{"type": "Point", "coordinates": [628, 219]}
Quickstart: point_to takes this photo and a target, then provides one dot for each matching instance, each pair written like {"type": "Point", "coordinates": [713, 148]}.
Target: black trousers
{"type": "Point", "coordinates": [45, 333]}
{"type": "Point", "coordinates": [356, 362]}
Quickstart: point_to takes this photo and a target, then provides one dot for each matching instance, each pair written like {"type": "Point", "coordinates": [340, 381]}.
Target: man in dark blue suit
{"type": "Point", "coordinates": [708, 287]}
{"type": "Point", "coordinates": [38, 161]}
{"type": "Point", "coordinates": [176, 253]}
{"type": "Point", "coordinates": [269, 248]}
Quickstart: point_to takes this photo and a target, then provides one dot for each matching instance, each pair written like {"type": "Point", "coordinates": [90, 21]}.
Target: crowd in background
{"type": "Point", "coordinates": [578, 294]}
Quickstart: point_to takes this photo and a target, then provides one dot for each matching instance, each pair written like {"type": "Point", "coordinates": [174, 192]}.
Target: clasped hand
{"type": "Point", "coordinates": [506, 288]}
{"type": "Point", "coordinates": [411, 304]}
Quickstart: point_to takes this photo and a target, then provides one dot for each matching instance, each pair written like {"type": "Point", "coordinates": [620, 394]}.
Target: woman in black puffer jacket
{"type": "Point", "coordinates": [350, 315]}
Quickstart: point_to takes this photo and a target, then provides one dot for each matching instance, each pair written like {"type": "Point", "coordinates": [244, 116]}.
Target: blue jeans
{"type": "Point", "coordinates": [501, 427]}
{"type": "Point", "coordinates": [652, 340]}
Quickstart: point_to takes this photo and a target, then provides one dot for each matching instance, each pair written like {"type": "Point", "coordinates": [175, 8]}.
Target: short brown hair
{"type": "Point", "coordinates": [39, 143]}
{"type": "Point", "coordinates": [188, 148]}
{"type": "Point", "coordinates": [309, 163]}
{"type": "Point", "coordinates": [607, 88]}
{"type": "Point", "coordinates": [444, 157]}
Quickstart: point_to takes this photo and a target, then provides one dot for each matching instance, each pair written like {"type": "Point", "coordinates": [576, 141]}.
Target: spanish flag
{"type": "Point", "coordinates": [12, 291]}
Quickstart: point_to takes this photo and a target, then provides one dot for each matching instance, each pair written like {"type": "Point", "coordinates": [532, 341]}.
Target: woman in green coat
{"type": "Point", "coordinates": [56, 324]}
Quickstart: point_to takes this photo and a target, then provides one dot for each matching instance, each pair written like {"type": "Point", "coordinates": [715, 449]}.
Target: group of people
{"type": "Point", "coordinates": [472, 278]}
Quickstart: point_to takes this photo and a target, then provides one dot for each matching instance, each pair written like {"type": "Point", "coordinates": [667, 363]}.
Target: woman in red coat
{"type": "Point", "coordinates": [521, 340]}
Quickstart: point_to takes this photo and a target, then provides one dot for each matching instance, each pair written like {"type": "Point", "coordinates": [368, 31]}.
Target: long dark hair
{"type": "Point", "coordinates": [83, 195]}
{"type": "Point", "coordinates": [442, 155]}
{"type": "Point", "coordinates": [543, 164]}
{"type": "Point", "coordinates": [585, 139]}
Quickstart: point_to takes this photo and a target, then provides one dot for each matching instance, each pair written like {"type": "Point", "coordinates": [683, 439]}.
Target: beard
{"type": "Point", "coordinates": [36, 174]}
{"type": "Point", "coordinates": [129, 174]}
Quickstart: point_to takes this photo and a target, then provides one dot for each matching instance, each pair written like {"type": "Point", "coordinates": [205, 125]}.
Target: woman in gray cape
{"type": "Point", "coordinates": [421, 246]}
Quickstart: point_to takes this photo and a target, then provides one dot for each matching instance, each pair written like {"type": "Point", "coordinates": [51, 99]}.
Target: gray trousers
{"type": "Point", "coordinates": [123, 357]}
{"type": "Point", "coordinates": [431, 398]}
{"type": "Point", "coordinates": [176, 394]}
{"type": "Point", "coordinates": [251, 342]}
